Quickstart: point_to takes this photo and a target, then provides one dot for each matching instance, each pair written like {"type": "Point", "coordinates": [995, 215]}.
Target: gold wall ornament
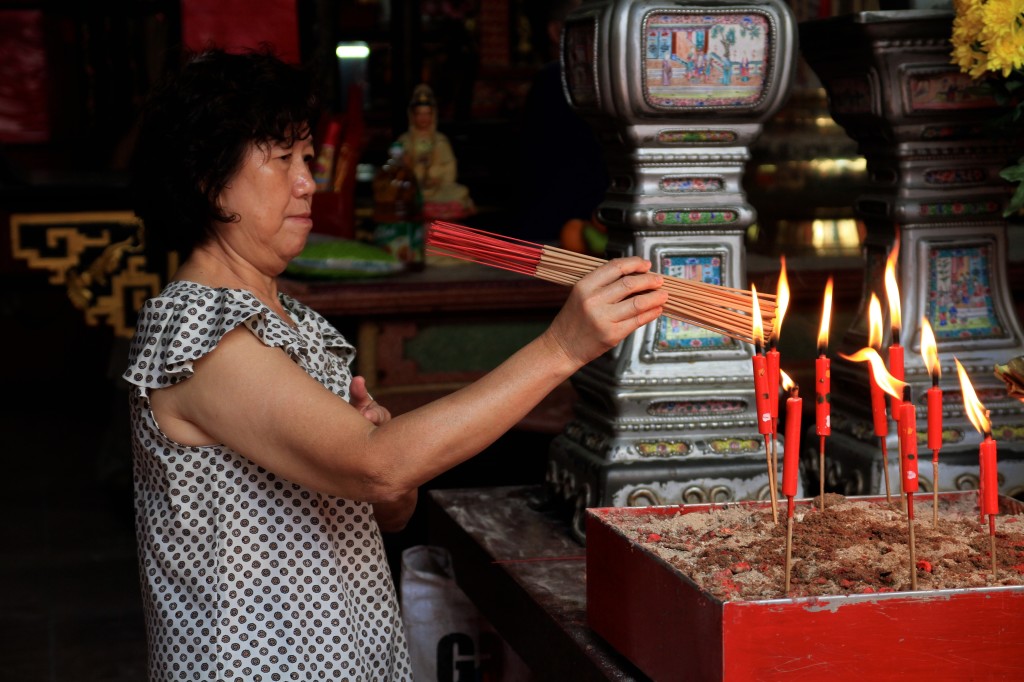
{"type": "Point", "coordinates": [97, 256]}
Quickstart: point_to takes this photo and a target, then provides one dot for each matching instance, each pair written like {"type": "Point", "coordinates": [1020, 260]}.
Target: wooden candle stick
{"type": "Point", "coordinates": [908, 454]}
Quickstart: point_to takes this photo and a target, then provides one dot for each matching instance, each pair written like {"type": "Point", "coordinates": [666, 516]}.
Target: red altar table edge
{"type": "Point", "coordinates": [673, 630]}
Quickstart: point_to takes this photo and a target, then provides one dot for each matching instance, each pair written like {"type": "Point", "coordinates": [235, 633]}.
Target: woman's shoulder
{"type": "Point", "coordinates": [311, 320]}
{"type": "Point", "coordinates": [187, 321]}
{"type": "Point", "coordinates": [184, 300]}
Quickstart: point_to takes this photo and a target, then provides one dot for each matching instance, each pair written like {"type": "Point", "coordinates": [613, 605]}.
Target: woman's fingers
{"type": "Point", "coordinates": [359, 395]}
{"type": "Point", "coordinates": [606, 306]}
{"type": "Point", "coordinates": [360, 398]}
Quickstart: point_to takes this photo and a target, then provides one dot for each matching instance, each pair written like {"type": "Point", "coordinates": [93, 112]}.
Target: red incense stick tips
{"type": "Point", "coordinates": [724, 310]}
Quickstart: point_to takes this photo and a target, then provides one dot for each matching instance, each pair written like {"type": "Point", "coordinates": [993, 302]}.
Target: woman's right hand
{"type": "Point", "coordinates": [605, 307]}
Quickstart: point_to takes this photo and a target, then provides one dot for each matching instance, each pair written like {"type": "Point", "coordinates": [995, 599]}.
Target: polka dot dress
{"type": "Point", "coordinates": [247, 576]}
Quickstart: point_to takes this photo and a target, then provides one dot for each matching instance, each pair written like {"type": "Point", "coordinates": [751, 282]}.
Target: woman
{"type": "Point", "coordinates": [264, 472]}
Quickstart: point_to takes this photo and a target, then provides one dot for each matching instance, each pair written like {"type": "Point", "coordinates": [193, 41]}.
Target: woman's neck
{"type": "Point", "coordinates": [213, 267]}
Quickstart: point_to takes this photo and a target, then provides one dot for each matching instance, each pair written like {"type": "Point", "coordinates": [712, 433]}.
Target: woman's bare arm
{"type": "Point", "coordinates": [258, 402]}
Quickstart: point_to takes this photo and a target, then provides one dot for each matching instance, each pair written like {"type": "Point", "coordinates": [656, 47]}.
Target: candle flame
{"type": "Point", "coordinates": [875, 323]}
{"type": "Point", "coordinates": [892, 291]}
{"type": "Point", "coordinates": [826, 318]}
{"type": "Point", "coordinates": [886, 381]}
{"type": "Point", "coordinates": [787, 383]}
{"type": "Point", "coordinates": [781, 300]}
{"type": "Point", "coordinates": [758, 327]}
{"type": "Point", "coordinates": [976, 412]}
{"type": "Point", "coordinates": [930, 350]}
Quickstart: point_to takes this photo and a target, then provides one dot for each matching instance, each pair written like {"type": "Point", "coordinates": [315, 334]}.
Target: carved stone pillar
{"type": "Point", "coordinates": [677, 93]}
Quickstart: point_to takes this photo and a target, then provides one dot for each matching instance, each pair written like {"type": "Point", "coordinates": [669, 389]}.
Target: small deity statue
{"type": "Point", "coordinates": [430, 155]}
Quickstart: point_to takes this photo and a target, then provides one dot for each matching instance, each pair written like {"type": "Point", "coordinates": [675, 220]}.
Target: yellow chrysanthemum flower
{"type": "Point", "coordinates": [1002, 16]}
{"type": "Point", "coordinates": [968, 24]}
{"type": "Point", "coordinates": [1002, 35]}
{"type": "Point", "coordinates": [1006, 52]}
{"type": "Point", "coordinates": [988, 35]}
{"type": "Point", "coordinates": [988, 39]}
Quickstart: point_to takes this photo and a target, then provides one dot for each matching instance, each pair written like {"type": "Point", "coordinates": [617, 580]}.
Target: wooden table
{"type": "Point", "coordinates": [464, 288]}
{"type": "Point", "coordinates": [514, 558]}
{"type": "Point", "coordinates": [422, 335]}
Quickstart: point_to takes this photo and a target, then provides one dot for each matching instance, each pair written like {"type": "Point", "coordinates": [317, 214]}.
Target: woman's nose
{"type": "Point", "coordinates": [304, 183]}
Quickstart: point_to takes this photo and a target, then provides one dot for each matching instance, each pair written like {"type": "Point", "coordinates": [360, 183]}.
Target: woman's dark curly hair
{"type": "Point", "coordinates": [196, 129]}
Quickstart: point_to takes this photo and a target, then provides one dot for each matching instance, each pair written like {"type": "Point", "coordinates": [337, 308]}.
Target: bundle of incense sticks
{"type": "Point", "coordinates": [714, 307]}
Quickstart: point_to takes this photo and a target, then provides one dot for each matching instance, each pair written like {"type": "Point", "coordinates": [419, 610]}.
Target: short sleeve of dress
{"type": "Point", "coordinates": [188, 320]}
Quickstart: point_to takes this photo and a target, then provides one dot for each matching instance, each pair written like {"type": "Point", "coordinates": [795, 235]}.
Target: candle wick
{"type": "Point", "coordinates": [757, 349]}
{"type": "Point", "coordinates": [895, 336]}
{"type": "Point", "coordinates": [906, 393]}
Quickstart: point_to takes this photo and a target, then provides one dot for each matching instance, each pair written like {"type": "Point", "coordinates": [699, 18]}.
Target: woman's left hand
{"type": "Point", "coordinates": [361, 399]}
{"type": "Point", "coordinates": [392, 516]}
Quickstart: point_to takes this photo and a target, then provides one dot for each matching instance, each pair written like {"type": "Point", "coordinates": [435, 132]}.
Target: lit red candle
{"type": "Point", "coordinates": [930, 353]}
{"type": "Point", "coordinates": [823, 388]}
{"type": "Point", "coordinates": [772, 356]}
{"type": "Point", "coordinates": [761, 397]}
{"type": "Point", "coordinates": [908, 445]}
{"type": "Point", "coordinates": [990, 472]}
{"type": "Point", "coordinates": [762, 394]}
{"type": "Point", "coordinates": [988, 475]}
{"type": "Point", "coordinates": [878, 414]}
{"type": "Point", "coordinates": [762, 403]}
{"type": "Point", "coordinates": [887, 382]}
{"type": "Point", "coordinates": [881, 378]}
{"type": "Point", "coordinates": [823, 369]}
{"type": "Point", "coordinates": [791, 453]}
{"type": "Point", "coordinates": [892, 292]}
{"type": "Point", "coordinates": [791, 461]}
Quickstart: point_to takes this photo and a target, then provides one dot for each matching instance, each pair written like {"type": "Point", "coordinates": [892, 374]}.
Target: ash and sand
{"type": "Point", "coordinates": [736, 552]}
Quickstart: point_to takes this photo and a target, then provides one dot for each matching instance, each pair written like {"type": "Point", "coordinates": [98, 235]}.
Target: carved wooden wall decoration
{"type": "Point", "coordinates": [96, 256]}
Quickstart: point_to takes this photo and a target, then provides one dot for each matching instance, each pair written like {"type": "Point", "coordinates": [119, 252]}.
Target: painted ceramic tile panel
{"type": "Point", "coordinates": [706, 60]}
{"type": "Point", "coordinates": [959, 294]}
{"type": "Point", "coordinates": [675, 335]}
{"type": "Point", "coordinates": [945, 90]}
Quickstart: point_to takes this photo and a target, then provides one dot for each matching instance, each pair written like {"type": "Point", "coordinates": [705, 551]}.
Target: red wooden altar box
{"type": "Point", "coordinates": [671, 629]}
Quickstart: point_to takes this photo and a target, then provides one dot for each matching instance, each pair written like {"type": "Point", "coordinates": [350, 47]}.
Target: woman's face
{"type": "Point", "coordinates": [272, 194]}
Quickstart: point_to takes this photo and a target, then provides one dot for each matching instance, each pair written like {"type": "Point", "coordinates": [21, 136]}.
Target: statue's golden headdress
{"type": "Point", "coordinates": [422, 96]}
